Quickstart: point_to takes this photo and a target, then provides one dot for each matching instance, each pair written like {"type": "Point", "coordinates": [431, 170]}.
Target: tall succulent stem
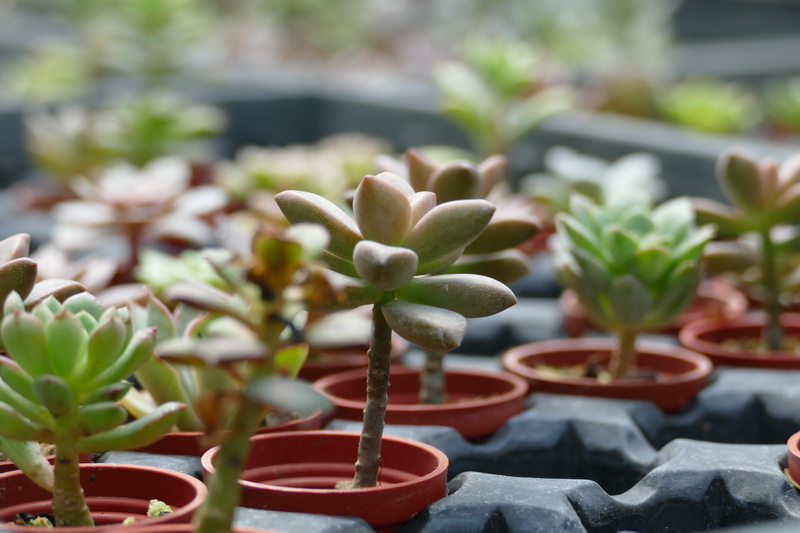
{"type": "Point", "coordinates": [772, 334]}
{"type": "Point", "coordinates": [69, 502]}
{"type": "Point", "coordinates": [224, 491]}
{"type": "Point", "coordinates": [623, 357]}
{"type": "Point", "coordinates": [369, 445]}
{"type": "Point", "coordinates": [432, 384]}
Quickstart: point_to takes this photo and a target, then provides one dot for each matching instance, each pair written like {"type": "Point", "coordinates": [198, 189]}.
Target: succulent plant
{"type": "Point", "coordinates": [126, 206]}
{"type": "Point", "coordinates": [765, 200]}
{"type": "Point", "coordinates": [710, 105]}
{"type": "Point", "coordinates": [62, 382]}
{"type": "Point", "coordinates": [495, 94]}
{"type": "Point", "coordinates": [75, 141]}
{"type": "Point", "coordinates": [632, 267]}
{"type": "Point", "coordinates": [388, 253]}
{"type": "Point", "coordinates": [782, 103]}
{"type": "Point", "coordinates": [244, 363]}
{"type": "Point", "coordinates": [568, 171]}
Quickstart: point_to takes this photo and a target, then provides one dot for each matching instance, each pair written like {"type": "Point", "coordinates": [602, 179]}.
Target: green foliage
{"type": "Point", "coordinates": [496, 94]}
{"type": "Point", "coordinates": [633, 267]}
{"type": "Point", "coordinates": [782, 103]}
{"type": "Point", "coordinates": [710, 105]}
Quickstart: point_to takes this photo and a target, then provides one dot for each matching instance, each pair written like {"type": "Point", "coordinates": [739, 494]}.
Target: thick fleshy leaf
{"type": "Point", "coordinates": [593, 273]}
{"type": "Point", "coordinates": [110, 393]}
{"type": "Point", "coordinates": [207, 298]}
{"type": "Point", "coordinates": [60, 289]}
{"type": "Point", "coordinates": [493, 169]}
{"type": "Point", "coordinates": [16, 378]}
{"type": "Point", "coordinates": [288, 361]}
{"type": "Point", "coordinates": [67, 341]}
{"type": "Point", "coordinates": [458, 180]}
{"type": "Point", "coordinates": [572, 231]}
{"type": "Point", "coordinates": [421, 203]}
{"type": "Point", "coordinates": [102, 416]}
{"type": "Point", "coordinates": [104, 346]}
{"type": "Point", "coordinates": [419, 170]}
{"type": "Point", "coordinates": [28, 457]}
{"type": "Point", "coordinates": [84, 301]}
{"type": "Point", "coordinates": [681, 290]}
{"type": "Point", "coordinates": [788, 204]}
{"type": "Point", "coordinates": [14, 247]}
{"type": "Point", "coordinates": [55, 394]}
{"type": "Point", "coordinates": [729, 222]}
{"type": "Point", "coordinates": [651, 263]}
{"type": "Point", "coordinates": [740, 178]}
{"type": "Point", "coordinates": [382, 211]}
{"type": "Point", "coordinates": [15, 426]}
{"type": "Point", "coordinates": [430, 328]}
{"type": "Point", "coordinates": [506, 266]}
{"type": "Point", "coordinates": [448, 227]}
{"type": "Point", "coordinates": [138, 350]}
{"type": "Point", "coordinates": [629, 301]}
{"type": "Point", "coordinates": [339, 292]}
{"type": "Point", "coordinates": [163, 383]}
{"type": "Point", "coordinates": [619, 245]}
{"type": "Point", "coordinates": [29, 408]}
{"type": "Point", "coordinates": [288, 394]}
{"type": "Point", "coordinates": [397, 181]}
{"type": "Point", "coordinates": [17, 275]}
{"type": "Point", "coordinates": [469, 295]}
{"type": "Point", "coordinates": [301, 206]}
{"type": "Point", "coordinates": [384, 267]}
{"type": "Point", "coordinates": [25, 341]}
{"type": "Point", "coordinates": [136, 434]}
{"type": "Point", "coordinates": [211, 351]}
{"type": "Point", "coordinates": [727, 256]}
{"type": "Point", "coordinates": [502, 234]}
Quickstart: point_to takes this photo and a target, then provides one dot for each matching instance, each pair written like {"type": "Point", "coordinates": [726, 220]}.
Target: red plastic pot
{"type": "Point", "coordinates": [681, 373]}
{"type": "Point", "coordinates": [8, 466]}
{"type": "Point", "coordinates": [113, 492]}
{"type": "Point", "coordinates": [793, 466]}
{"type": "Point", "coordinates": [707, 337]}
{"type": "Point", "coordinates": [715, 299]}
{"type": "Point", "coordinates": [195, 444]}
{"type": "Point", "coordinates": [323, 362]}
{"type": "Point", "coordinates": [297, 472]}
{"type": "Point", "coordinates": [480, 401]}
{"type": "Point", "coordinates": [186, 528]}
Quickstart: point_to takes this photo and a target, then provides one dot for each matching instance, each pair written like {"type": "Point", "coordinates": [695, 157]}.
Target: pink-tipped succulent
{"type": "Point", "coordinates": [389, 253]}
{"type": "Point", "coordinates": [127, 207]}
{"type": "Point", "coordinates": [765, 200]}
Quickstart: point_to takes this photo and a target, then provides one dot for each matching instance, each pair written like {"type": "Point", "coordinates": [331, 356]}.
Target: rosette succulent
{"type": "Point", "coordinates": [710, 105]}
{"type": "Point", "coordinates": [765, 200]}
{"type": "Point", "coordinates": [633, 268]}
{"type": "Point", "coordinates": [61, 384]}
{"type": "Point", "coordinates": [388, 254]}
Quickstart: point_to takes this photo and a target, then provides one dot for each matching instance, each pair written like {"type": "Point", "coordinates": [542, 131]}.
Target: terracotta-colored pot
{"type": "Point", "coordinates": [323, 362]}
{"type": "Point", "coordinates": [8, 466]}
{"type": "Point", "coordinates": [480, 401]}
{"type": "Point", "coordinates": [113, 492]}
{"type": "Point", "coordinates": [715, 299]}
{"type": "Point", "coordinates": [793, 466]}
{"type": "Point", "coordinates": [706, 336]}
{"type": "Point", "coordinates": [297, 472]}
{"type": "Point", "coordinates": [681, 373]}
{"type": "Point", "coordinates": [194, 442]}
{"type": "Point", "coordinates": [186, 528]}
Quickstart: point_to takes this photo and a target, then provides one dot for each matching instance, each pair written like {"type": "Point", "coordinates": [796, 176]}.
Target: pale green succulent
{"type": "Point", "coordinates": [710, 105]}
{"type": "Point", "coordinates": [765, 200]}
{"type": "Point", "coordinates": [782, 103]}
{"type": "Point", "coordinates": [633, 267]}
{"type": "Point", "coordinates": [62, 382]}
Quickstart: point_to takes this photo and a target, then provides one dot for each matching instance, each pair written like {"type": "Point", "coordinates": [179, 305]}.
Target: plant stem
{"type": "Point", "coordinates": [622, 359]}
{"type": "Point", "coordinates": [431, 389]}
{"type": "Point", "coordinates": [224, 490]}
{"type": "Point", "coordinates": [772, 334]}
{"type": "Point", "coordinates": [369, 445]}
{"type": "Point", "coordinates": [69, 502]}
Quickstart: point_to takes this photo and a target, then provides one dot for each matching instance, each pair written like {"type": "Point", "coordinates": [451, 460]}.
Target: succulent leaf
{"type": "Point", "coordinates": [104, 346]}
{"type": "Point", "coordinates": [740, 178]}
{"type": "Point", "coordinates": [630, 300]}
{"type": "Point", "coordinates": [138, 350]}
{"type": "Point", "coordinates": [729, 222]}
{"type": "Point", "coordinates": [60, 289]}
{"type": "Point", "coordinates": [15, 426]}
{"type": "Point", "coordinates": [502, 234]}
{"type": "Point", "coordinates": [457, 180]}
{"type": "Point", "coordinates": [419, 170]}
{"type": "Point", "coordinates": [506, 266]}
{"type": "Point", "coordinates": [384, 267]}
{"type": "Point", "coordinates": [382, 211]}
{"type": "Point", "coordinates": [469, 295]}
{"type": "Point", "coordinates": [25, 341]}
{"type": "Point", "coordinates": [101, 416]}
{"type": "Point", "coordinates": [289, 394]}
{"type": "Point", "coordinates": [55, 394]}
{"type": "Point", "coordinates": [17, 275]}
{"type": "Point", "coordinates": [136, 434]}
{"type": "Point", "coordinates": [288, 361]}
{"type": "Point", "coordinates": [429, 327]}
{"type": "Point", "coordinates": [447, 228]}
{"type": "Point", "coordinates": [110, 393]}
{"type": "Point", "coordinates": [14, 247]}
{"type": "Point", "coordinates": [421, 203]}
{"type": "Point", "coordinates": [300, 206]}
{"type": "Point", "coordinates": [67, 341]}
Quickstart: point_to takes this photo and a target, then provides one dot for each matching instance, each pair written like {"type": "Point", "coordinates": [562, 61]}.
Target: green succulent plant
{"type": "Point", "coordinates": [62, 383]}
{"type": "Point", "coordinates": [782, 103]}
{"type": "Point", "coordinates": [495, 94]}
{"type": "Point", "coordinates": [244, 363]}
{"type": "Point", "coordinates": [633, 268]}
{"type": "Point", "coordinates": [765, 200]}
{"type": "Point", "coordinates": [388, 254]}
{"type": "Point", "coordinates": [710, 105]}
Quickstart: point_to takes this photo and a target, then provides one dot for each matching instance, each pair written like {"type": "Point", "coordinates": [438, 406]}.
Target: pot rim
{"type": "Point", "coordinates": [519, 388]}
{"type": "Point", "coordinates": [442, 461]}
{"type": "Point", "coordinates": [512, 360]}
